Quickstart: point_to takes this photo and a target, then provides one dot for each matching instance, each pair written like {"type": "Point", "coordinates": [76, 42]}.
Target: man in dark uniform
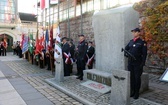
{"type": "Point", "coordinates": [65, 54]}
{"type": "Point", "coordinates": [137, 47]}
{"type": "Point", "coordinates": [82, 49]}
{"type": "Point", "coordinates": [90, 55]}
{"type": "Point", "coordinates": [72, 51]}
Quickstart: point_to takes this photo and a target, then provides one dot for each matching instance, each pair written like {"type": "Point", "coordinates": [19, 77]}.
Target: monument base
{"type": "Point", "coordinates": [105, 78]}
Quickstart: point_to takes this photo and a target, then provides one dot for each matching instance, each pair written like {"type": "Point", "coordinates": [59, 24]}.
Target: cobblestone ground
{"type": "Point", "coordinates": [35, 76]}
{"type": "Point", "coordinates": [158, 91]}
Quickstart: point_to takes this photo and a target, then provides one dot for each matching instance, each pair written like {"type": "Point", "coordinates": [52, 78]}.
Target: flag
{"type": "Point", "coordinates": [68, 59]}
{"type": "Point", "coordinates": [51, 38]}
{"type": "Point", "coordinates": [90, 60]}
{"type": "Point", "coordinates": [25, 44]}
{"type": "Point", "coordinates": [57, 49]}
{"type": "Point", "coordinates": [31, 43]}
{"type": "Point", "coordinates": [41, 43]}
{"type": "Point", "coordinates": [46, 39]}
{"type": "Point", "coordinates": [42, 4]}
{"type": "Point", "coordinates": [22, 39]}
{"type": "Point", "coordinates": [37, 44]}
{"type": "Point", "coordinates": [5, 42]}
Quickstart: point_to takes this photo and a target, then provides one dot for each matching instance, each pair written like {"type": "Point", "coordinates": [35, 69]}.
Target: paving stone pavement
{"type": "Point", "coordinates": [158, 91]}
{"type": "Point", "coordinates": [35, 77]}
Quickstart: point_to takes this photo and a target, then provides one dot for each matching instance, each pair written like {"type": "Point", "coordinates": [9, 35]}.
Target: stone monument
{"type": "Point", "coordinates": [120, 91]}
{"type": "Point", "coordinates": [112, 31]}
{"type": "Point", "coordinates": [59, 72]}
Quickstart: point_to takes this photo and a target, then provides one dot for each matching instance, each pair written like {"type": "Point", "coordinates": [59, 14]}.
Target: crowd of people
{"type": "Point", "coordinates": [82, 55]}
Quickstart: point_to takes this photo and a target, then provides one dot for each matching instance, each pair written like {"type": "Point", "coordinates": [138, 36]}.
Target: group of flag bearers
{"type": "Point", "coordinates": [45, 50]}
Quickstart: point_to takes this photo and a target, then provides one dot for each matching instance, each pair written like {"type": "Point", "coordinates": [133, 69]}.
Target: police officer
{"type": "Point", "coordinates": [82, 50]}
{"type": "Point", "coordinates": [137, 47]}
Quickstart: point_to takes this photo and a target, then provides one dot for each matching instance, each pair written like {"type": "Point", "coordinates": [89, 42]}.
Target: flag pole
{"type": "Point", "coordinates": [58, 11]}
{"type": "Point", "coordinates": [68, 22]}
{"type": "Point", "coordinates": [49, 17]}
{"type": "Point", "coordinates": [81, 17]}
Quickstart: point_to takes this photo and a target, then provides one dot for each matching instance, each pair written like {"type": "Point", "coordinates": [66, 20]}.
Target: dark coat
{"type": "Point", "coordinates": [65, 49]}
{"type": "Point", "coordinates": [82, 50]}
{"type": "Point", "coordinates": [139, 50]}
{"type": "Point", "coordinates": [90, 51]}
{"type": "Point", "coordinates": [72, 50]}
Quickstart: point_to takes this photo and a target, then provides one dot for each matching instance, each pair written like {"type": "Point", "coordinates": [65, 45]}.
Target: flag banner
{"type": "Point", "coordinates": [5, 42]}
{"type": "Point", "coordinates": [42, 4]}
{"type": "Point", "coordinates": [53, 1]}
{"type": "Point", "coordinates": [90, 61]}
{"type": "Point", "coordinates": [46, 39]}
{"type": "Point", "coordinates": [37, 50]}
{"type": "Point", "coordinates": [51, 38]}
{"type": "Point", "coordinates": [22, 39]}
{"type": "Point", "coordinates": [31, 43]}
{"type": "Point", "coordinates": [68, 59]}
{"type": "Point", "coordinates": [57, 49]}
{"type": "Point", "coordinates": [25, 44]}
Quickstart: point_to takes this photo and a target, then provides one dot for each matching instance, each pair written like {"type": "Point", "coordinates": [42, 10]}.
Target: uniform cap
{"type": "Point", "coordinates": [135, 30]}
{"type": "Point", "coordinates": [81, 35]}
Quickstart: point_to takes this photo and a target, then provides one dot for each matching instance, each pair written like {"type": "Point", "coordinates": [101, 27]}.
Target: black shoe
{"type": "Point", "coordinates": [48, 69]}
{"type": "Point", "coordinates": [136, 96]}
{"type": "Point", "coordinates": [77, 74]}
{"type": "Point", "coordinates": [132, 94]}
{"type": "Point", "coordinates": [79, 77]}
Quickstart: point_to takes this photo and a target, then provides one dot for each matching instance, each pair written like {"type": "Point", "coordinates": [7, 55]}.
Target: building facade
{"type": "Point", "coordinates": [13, 23]}
{"type": "Point", "coordinates": [75, 16]}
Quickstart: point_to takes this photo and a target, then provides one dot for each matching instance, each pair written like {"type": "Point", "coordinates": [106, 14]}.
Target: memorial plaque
{"type": "Point", "coordinates": [97, 86]}
{"type": "Point", "coordinates": [164, 77]}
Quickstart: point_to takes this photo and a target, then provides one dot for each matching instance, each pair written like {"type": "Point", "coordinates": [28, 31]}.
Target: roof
{"type": "Point", "coordinates": [27, 17]}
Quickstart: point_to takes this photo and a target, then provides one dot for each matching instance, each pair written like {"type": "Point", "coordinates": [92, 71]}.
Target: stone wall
{"type": "Point", "coordinates": [75, 27]}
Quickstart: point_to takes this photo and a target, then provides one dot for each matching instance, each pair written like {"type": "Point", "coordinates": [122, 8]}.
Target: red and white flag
{"type": "Point", "coordinates": [57, 49]}
{"type": "Point", "coordinates": [90, 60]}
{"type": "Point", "coordinates": [68, 60]}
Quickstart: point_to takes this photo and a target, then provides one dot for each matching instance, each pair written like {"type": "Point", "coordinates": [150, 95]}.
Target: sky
{"type": "Point", "coordinates": [26, 6]}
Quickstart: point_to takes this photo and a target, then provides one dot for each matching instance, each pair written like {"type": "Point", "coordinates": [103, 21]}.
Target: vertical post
{"type": "Point", "coordinates": [58, 10]}
{"type": "Point", "coordinates": [68, 21]}
{"type": "Point", "coordinates": [75, 2]}
{"type": "Point", "coordinates": [81, 17]}
{"type": "Point", "coordinates": [93, 5]}
{"type": "Point", "coordinates": [49, 18]}
{"type": "Point", "coordinates": [16, 9]}
{"type": "Point", "coordinates": [37, 15]}
{"type": "Point", "coordinates": [45, 17]}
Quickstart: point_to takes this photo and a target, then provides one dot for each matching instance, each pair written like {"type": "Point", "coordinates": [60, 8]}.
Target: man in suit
{"type": "Point", "coordinates": [66, 56]}
{"type": "Point", "coordinates": [81, 61]}
{"type": "Point", "coordinates": [138, 48]}
{"type": "Point", "coordinates": [90, 55]}
{"type": "Point", "coordinates": [72, 51]}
